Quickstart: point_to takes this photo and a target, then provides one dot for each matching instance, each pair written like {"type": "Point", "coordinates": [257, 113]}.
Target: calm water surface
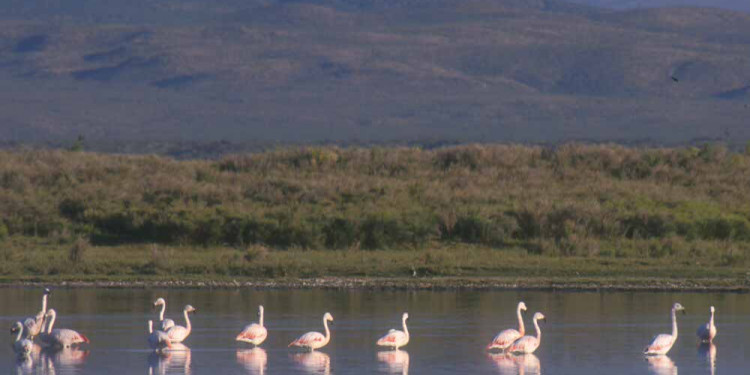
{"type": "Point", "coordinates": [585, 333]}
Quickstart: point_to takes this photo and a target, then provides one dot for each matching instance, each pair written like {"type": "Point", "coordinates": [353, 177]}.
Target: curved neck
{"type": "Point", "coordinates": [538, 331]}
{"type": "Point", "coordinates": [52, 318]}
{"type": "Point", "coordinates": [328, 332]}
{"type": "Point", "coordinates": [187, 321]}
{"type": "Point", "coordinates": [674, 324]}
{"type": "Point", "coordinates": [161, 314]}
{"type": "Point", "coordinates": [403, 323]}
{"type": "Point", "coordinates": [260, 321]}
{"type": "Point", "coordinates": [20, 333]}
{"type": "Point", "coordinates": [521, 328]}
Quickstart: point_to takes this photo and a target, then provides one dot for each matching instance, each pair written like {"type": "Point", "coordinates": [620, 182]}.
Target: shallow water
{"type": "Point", "coordinates": [585, 332]}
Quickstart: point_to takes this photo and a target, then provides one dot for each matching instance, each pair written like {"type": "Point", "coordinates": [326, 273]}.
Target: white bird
{"type": "Point", "coordinates": [179, 333]}
{"type": "Point", "coordinates": [33, 325]}
{"type": "Point", "coordinates": [505, 338]}
{"type": "Point", "coordinates": [315, 340]}
{"type": "Point", "coordinates": [254, 333]}
{"type": "Point", "coordinates": [163, 324]}
{"type": "Point", "coordinates": [528, 344]}
{"type": "Point", "coordinates": [707, 332]}
{"type": "Point", "coordinates": [21, 346]}
{"type": "Point", "coordinates": [60, 337]}
{"type": "Point", "coordinates": [663, 342]}
{"type": "Point", "coordinates": [395, 338]}
{"type": "Point", "coordinates": [157, 339]}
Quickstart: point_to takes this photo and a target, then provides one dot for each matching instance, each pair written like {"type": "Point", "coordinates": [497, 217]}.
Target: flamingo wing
{"type": "Point", "coordinates": [310, 339]}
{"type": "Point", "coordinates": [504, 339]}
{"type": "Point", "coordinates": [166, 324]}
{"type": "Point", "coordinates": [177, 333]}
{"type": "Point", "coordinates": [526, 344]}
{"type": "Point", "coordinates": [31, 328]}
{"type": "Point", "coordinates": [393, 338]}
{"type": "Point", "coordinates": [67, 337]}
{"type": "Point", "coordinates": [253, 334]}
{"type": "Point", "coordinates": [660, 344]}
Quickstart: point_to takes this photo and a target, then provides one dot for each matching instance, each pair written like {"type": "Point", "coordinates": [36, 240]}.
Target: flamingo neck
{"type": "Point", "coordinates": [51, 322]}
{"type": "Point", "coordinates": [260, 321]}
{"type": "Point", "coordinates": [328, 332]}
{"type": "Point", "coordinates": [711, 322]}
{"type": "Point", "coordinates": [187, 322]}
{"type": "Point", "coordinates": [406, 331]}
{"type": "Point", "coordinates": [44, 304]}
{"type": "Point", "coordinates": [521, 328]}
{"type": "Point", "coordinates": [538, 330]}
{"type": "Point", "coordinates": [161, 314]}
{"type": "Point", "coordinates": [20, 333]}
{"type": "Point", "coordinates": [674, 324]}
{"type": "Point", "coordinates": [150, 326]}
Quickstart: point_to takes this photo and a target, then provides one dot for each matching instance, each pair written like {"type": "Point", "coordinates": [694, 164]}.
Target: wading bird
{"type": "Point", "coordinates": [315, 340]}
{"type": "Point", "coordinates": [663, 342]}
{"type": "Point", "coordinates": [254, 333]}
{"type": "Point", "coordinates": [163, 324]}
{"type": "Point", "coordinates": [707, 332]}
{"type": "Point", "coordinates": [179, 333]}
{"type": "Point", "coordinates": [60, 337]}
{"type": "Point", "coordinates": [395, 338]}
{"type": "Point", "coordinates": [33, 325]}
{"type": "Point", "coordinates": [21, 346]}
{"type": "Point", "coordinates": [505, 338]}
{"type": "Point", "coordinates": [528, 344]}
{"type": "Point", "coordinates": [157, 339]}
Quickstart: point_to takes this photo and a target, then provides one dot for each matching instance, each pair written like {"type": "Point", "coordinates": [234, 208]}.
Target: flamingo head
{"type": "Point", "coordinates": [328, 317]}
{"type": "Point", "coordinates": [51, 313]}
{"type": "Point", "coordinates": [678, 307]}
{"type": "Point", "coordinates": [712, 310]}
{"type": "Point", "coordinates": [191, 309]}
{"type": "Point", "coordinates": [540, 316]}
{"type": "Point", "coordinates": [159, 302]}
{"type": "Point", "coordinates": [47, 291]}
{"type": "Point", "coordinates": [17, 326]}
{"type": "Point", "coordinates": [522, 306]}
{"type": "Point", "coordinates": [405, 316]}
{"type": "Point", "coordinates": [260, 310]}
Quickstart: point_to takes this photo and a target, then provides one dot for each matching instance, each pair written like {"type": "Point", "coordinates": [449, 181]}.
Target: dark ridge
{"type": "Point", "coordinates": [33, 43]}
{"type": "Point", "coordinates": [179, 81]}
{"type": "Point", "coordinates": [740, 93]}
{"type": "Point", "coordinates": [110, 72]}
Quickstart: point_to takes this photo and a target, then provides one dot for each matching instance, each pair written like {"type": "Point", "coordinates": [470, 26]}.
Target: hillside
{"type": "Point", "coordinates": [168, 75]}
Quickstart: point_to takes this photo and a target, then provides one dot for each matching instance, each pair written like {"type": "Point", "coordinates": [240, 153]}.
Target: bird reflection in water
{"type": "Point", "coordinates": [394, 361]}
{"type": "Point", "coordinates": [314, 362]}
{"type": "Point", "coordinates": [661, 365]}
{"type": "Point", "coordinates": [253, 360]}
{"type": "Point", "coordinates": [173, 361]}
{"type": "Point", "coordinates": [64, 360]}
{"type": "Point", "coordinates": [708, 351]}
{"type": "Point", "coordinates": [509, 364]}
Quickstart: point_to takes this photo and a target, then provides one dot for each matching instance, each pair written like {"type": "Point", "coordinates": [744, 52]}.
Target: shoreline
{"type": "Point", "coordinates": [415, 284]}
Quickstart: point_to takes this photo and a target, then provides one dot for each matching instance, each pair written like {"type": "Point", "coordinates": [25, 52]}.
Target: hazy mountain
{"type": "Point", "coordinates": [128, 74]}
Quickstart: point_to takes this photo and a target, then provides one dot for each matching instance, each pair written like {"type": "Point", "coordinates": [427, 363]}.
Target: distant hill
{"type": "Point", "coordinates": [170, 75]}
{"type": "Point", "coordinates": [739, 5]}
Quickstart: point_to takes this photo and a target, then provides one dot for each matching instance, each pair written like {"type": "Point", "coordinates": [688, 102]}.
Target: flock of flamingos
{"type": "Point", "coordinates": [164, 333]}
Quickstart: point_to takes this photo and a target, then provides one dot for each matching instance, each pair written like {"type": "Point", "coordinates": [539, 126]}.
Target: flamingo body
{"type": "Point", "coordinates": [707, 332]}
{"type": "Point", "coordinates": [158, 340]}
{"type": "Point", "coordinates": [507, 337]}
{"type": "Point", "coordinates": [179, 333]}
{"type": "Point", "coordinates": [395, 338]}
{"type": "Point", "coordinates": [254, 333]}
{"type": "Point", "coordinates": [661, 344]}
{"type": "Point", "coordinates": [528, 344]}
{"type": "Point", "coordinates": [60, 337]}
{"type": "Point", "coordinates": [21, 346]}
{"type": "Point", "coordinates": [315, 340]}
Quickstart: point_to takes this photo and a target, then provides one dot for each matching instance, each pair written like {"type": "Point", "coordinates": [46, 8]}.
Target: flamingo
{"type": "Point", "coordinates": [179, 333]}
{"type": "Point", "coordinates": [315, 340]}
{"type": "Point", "coordinates": [505, 338]}
{"type": "Point", "coordinates": [528, 344]}
{"type": "Point", "coordinates": [707, 332]}
{"type": "Point", "coordinates": [35, 324]}
{"type": "Point", "coordinates": [22, 346]}
{"type": "Point", "coordinates": [60, 337]}
{"type": "Point", "coordinates": [395, 338]}
{"type": "Point", "coordinates": [663, 342]}
{"type": "Point", "coordinates": [158, 339]}
{"type": "Point", "coordinates": [163, 324]}
{"type": "Point", "coordinates": [254, 333]}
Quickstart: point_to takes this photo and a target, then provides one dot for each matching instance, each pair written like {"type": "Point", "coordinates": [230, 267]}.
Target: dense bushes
{"type": "Point", "coordinates": [564, 201]}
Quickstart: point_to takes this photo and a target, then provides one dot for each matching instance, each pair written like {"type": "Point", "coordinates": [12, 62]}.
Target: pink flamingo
{"type": "Point", "coordinates": [315, 340]}
{"type": "Point", "coordinates": [505, 338]}
{"type": "Point", "coordinates": [528, 344]}
{"type": "Point", "coordinates": [254, 333]}
{"type": "Point", "coordinates": [707, 332]}
{"type": "Point", "coordinates": [179, 333]}
{"type": "Point", "coordinates": [60, 337]}
{"type": "Point", "coordinates": [395, 338]}
{"type": "Point", "coordinates": [663, 342]}
{"type": "Point", "coordinates": [163, 324]}
{"type": "Point", "coordinates": [158, 339]}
